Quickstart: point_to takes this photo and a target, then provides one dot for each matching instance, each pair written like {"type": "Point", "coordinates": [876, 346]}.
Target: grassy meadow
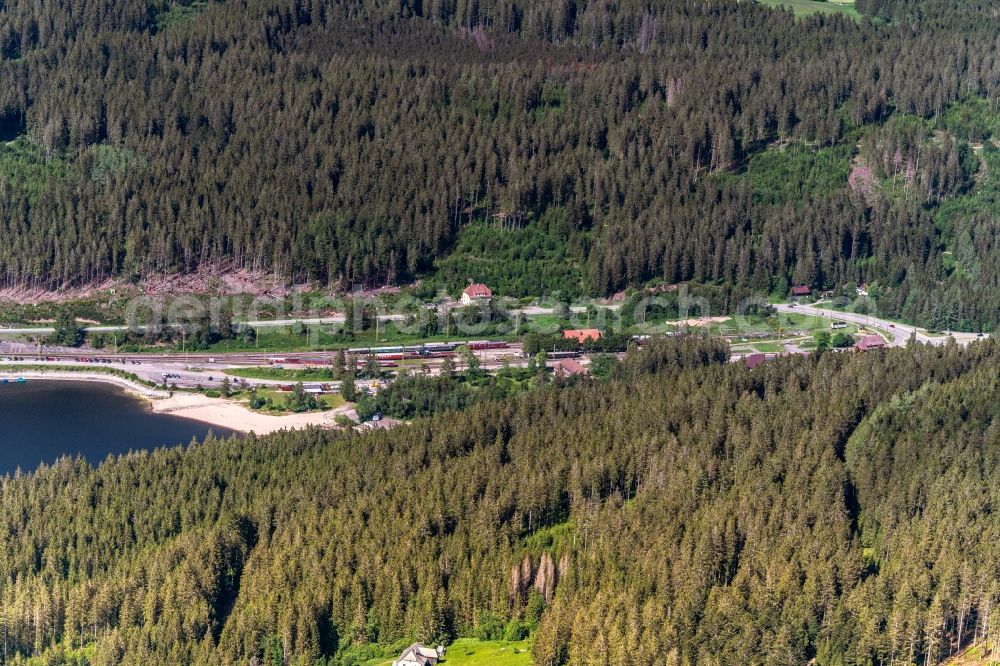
{"type": "Point", "coordinates": [472, 652]}
{"type": "Point", "coordinates": [806, 7]}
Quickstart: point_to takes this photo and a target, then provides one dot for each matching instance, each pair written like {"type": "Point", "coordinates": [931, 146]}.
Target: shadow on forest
{"type": "Point", "coordinates": [11, 125]}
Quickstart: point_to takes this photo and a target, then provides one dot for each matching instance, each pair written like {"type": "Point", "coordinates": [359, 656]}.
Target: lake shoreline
{"type": "Point", "coordinates": [235, 416]}
{"type": "Point", "coordinates": [220, 412]}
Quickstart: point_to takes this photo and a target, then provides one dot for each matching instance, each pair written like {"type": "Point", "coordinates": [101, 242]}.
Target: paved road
{"type": "Point", "coordinates": [900, 333]}
{"type": "Point", "coordinates": [531, 310]}
{"type": "Point", "coordinates": [208, 368]}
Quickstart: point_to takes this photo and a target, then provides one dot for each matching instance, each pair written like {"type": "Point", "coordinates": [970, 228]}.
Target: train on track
{"type": "Point", "coordinates": [430, 348]}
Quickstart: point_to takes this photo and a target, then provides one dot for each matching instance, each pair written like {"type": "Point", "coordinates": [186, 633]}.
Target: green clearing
{"type": "Point", "coordinates": [795, 172]}
{"type": "Point", "coordinates": [807, 7]}
{"type": "Point", "coordinates": [550, 538]}
{"type": "Point", "coordinates": [179, 13]}
{"type": "Point", "coordinates": [970, 216]}
{"type": "Point", "coordinates": [811, 324]}
{"type": "Point", "coordinates": [545, 323]}
{"type": "Point", "coordinates": [974, 120]}
{"type": "Point", "coordinates": [282, 339]}
{"type": "Point", "coordinates": [769, 347]}
{"type": "Point", "coordinates": [472, 652]}
{"type": "Point", "coordinates": [110, 161]}
{"type": "Point", "coordinates": [90, 309]}
{"type": "Point", "coordinates": [24, 165]}
{"type": "Point", "coordinates": [58, 654]}
{"type": "Point", "coordinates": [541, 257]}
{"type": "Point", "coordinates": [280, 400]}
{"type": "Point", "coordinates": [291, 374]}
{"type": "Point", "coordinates": [776, 326]}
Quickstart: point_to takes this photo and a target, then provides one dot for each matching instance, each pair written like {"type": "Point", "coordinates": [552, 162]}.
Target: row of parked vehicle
{"type": "Point", "coordinates": [78, 359]}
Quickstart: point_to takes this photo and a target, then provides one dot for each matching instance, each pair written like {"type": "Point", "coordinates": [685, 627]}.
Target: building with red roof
{"type": "Point", "coordinates": [581, 335]}
{"type": "Point", "coordinates": [476, 292]}
{"type": "Point", "coordinates": [870, 341]}
{"type": "Point", "coordinates": [568, 366]}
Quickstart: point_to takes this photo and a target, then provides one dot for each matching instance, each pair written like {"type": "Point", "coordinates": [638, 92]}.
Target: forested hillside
{"type": "Point", "coordinates": [354, 142]}
{"type": "Point", "coordinates": [688, 512]}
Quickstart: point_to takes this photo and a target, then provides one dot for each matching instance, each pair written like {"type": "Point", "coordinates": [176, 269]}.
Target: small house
{"type": "Point", "coordinates": [566, 367]}
{"type": "Point", "coordinates": [475, 293]}
{"type": "Point", "coordinates": [581, 335]}
{"type": "Point", "coordinates": [801, 291]}
{"type": "Point", "coordinates": [753, 360]}
{"type": "Point", "coordinates": [869, 342]}
{"type": "Point", "coordinates": [418, 655]}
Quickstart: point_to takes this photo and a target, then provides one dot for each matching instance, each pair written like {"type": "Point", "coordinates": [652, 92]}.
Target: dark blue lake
{"type": "Point", "coordinates": [43, 420]}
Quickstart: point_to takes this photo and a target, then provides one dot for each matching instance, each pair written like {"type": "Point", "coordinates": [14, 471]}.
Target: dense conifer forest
{"type": "Point", "coordinates": [676, 509]}
{"type": "Point", "coordinates": [686, 511]}
{"type": "Point", "coordinates": [599, 145]}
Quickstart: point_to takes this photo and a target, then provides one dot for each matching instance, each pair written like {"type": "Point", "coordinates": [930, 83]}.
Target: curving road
{"type": "Point", "coordinates": [900, 333]}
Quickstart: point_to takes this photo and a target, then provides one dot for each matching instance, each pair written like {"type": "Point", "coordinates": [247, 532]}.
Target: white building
{"type": "Point", "coordinates": [476, 292]}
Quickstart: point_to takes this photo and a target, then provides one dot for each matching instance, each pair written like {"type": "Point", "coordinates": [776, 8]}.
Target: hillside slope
{"type": "Point", "coordinates": [690, 510]}
{"type": "Point", "coordinates": [364, 142]}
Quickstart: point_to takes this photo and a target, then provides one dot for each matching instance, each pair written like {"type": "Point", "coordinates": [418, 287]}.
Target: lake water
{"type": "Point", "coordinates": [43, 420]}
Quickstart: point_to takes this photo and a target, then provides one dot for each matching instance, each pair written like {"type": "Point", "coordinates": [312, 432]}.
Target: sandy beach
{"type": "Point", "coordinates": [197, 406]}
{"type": "Point", "coordinates": [232, 415]}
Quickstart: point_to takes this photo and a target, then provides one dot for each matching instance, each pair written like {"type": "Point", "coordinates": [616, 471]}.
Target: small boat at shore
{"type": "Point", "coordinates": [19, 380]}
